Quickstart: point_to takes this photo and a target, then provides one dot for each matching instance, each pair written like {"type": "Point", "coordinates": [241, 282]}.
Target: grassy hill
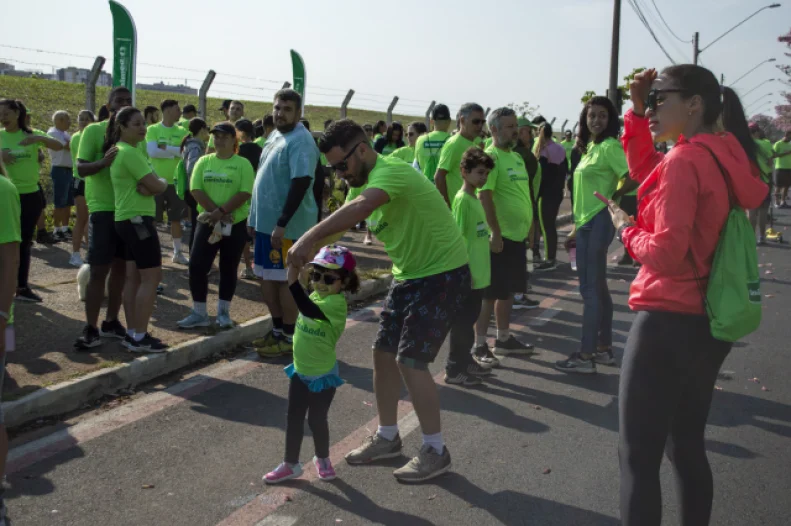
{"type": "Point", "coordinates": [44, 97]}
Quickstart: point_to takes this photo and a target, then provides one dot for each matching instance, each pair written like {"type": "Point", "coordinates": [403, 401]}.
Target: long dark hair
{"type": "Point", "coordinates": [195, 126]}
{"type": "Point", "coordinates": [613, 123]}
{"type": "Point", "coordinates": [378, 126]}
{"type": "Point", "coordinates": [18, 105]}
{"type": "Point", "coordinates": [389, 134]}
{"type": "Point", "coordinates": [717, 101]}
{"type": "Point", "coordinates": [121, 118]}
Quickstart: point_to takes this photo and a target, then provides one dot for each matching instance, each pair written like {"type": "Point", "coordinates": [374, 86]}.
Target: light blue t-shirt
{"type": "Point", "coordinates": [284, 157]}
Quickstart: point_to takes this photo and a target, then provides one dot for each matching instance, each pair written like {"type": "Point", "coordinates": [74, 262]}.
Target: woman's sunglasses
{"type": "Point", "coordinates": [328, 279]}
{"type": "Point", "coordinates": [653, 102]}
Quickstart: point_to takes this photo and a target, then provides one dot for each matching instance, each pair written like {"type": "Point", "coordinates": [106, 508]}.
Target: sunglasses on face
{"type": "Point", "coordinates": [344, 165]}
{"type": "Point", "coordinates": [653, 102]}
{"type": "Point", "coordinates": [328, 279]}
{"type": "Point", "coordinates": [477, 122]}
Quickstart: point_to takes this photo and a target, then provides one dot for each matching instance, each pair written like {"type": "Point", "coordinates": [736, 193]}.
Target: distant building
{"type": "Point", "coordinates": [80, 76]}
{"type": "Point", "coordinates": [161, 86]}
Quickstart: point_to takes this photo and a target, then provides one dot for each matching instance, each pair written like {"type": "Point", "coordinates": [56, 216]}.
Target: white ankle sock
{"type": "Point", "coordinates": [503, 334]}
{"type": "Point", "coordinates": [138, 336]}
{"type": "Point", "coordinates": [435, 441]}
{"type": "Point", "coordinates": [480, 339]}
{"type": "Point", "coordinates": [130, 333]}
{"type": "Point", "coordinates": [177, 245]}
{"type": "Point", "coordinates": [199, 307]}
{"type": "Point", "coordinates": [387, 432]}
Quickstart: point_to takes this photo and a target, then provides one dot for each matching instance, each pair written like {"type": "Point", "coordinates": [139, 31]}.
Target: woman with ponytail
{"type": "Point", "coordinates": [21, 146]}
{"type": "Point", "coordinates": [193, 147]}
{"type": "Point", "coordinates": [671, 360]}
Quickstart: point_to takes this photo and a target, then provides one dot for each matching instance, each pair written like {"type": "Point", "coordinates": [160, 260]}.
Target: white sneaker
{"type": "Point", "coordinates": [75, 260]}
{"type": "Point", "coordinates": [180, 258]}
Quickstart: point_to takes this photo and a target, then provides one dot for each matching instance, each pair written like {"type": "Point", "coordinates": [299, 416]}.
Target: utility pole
{"type": "Point", "coordinates": [616, 42]}
{"type": "Point", "coordinates": [722, 79]}
{"type": "Point", "coordinates": [695, 48]}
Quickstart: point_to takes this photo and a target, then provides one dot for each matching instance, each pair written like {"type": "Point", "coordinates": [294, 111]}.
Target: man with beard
{"type": "Point", "coordinates": [448, 176]}
{"type": "Point", "coordinates": [431, 282]}
{"type": "Point", "coordinates": [281, 211]}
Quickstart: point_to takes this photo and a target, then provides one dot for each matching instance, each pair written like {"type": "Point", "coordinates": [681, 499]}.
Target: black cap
{"type": "Point", "coordinates": [189, 108]}
{"type": "Point", "coordinates": [224, 127]}
{"type": "Point", "coordinates": [440, 113]}
{"type": "Point", "coordinates": [226, 104]}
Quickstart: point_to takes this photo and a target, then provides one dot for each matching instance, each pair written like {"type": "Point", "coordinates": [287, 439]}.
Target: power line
{"type": "Point", "coordinates": [655, 22]}
{"type": "Point", "coordinates": [667, 26]}
{"type": "Point", "coordinates": [642, 19]}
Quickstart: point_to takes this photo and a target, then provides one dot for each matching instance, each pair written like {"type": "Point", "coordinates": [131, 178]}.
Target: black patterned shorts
{"type": "Point", "coordinates": [417, 315]}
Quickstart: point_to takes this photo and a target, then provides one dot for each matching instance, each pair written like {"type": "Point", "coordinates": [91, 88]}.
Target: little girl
{"type": "Point", "coordinates": [314, 373]}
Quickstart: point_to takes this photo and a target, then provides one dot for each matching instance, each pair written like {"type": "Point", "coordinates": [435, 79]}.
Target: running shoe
{"type": "Point", "coordinates": [425, 466]}
{"type": "Point", "coordinates": [247, 273]}
{"type": "Point", "coordinates": [45, 238]}
{"type": "Point", "coordinates": [180, 258]}
{"type": "Point", "coordinates": [75, 260]}
{"type": "Point", "coordinates": [90, 338]}
{"type": "Point", "coordinates": [513, 346]}
{"type": "Point", "coordinates": [375, 448]}
{"type": "Point", "coordinates": [484, 356]}
{"type": "Point", "coordinates": [148, 344]}
{"type": "Point", "coordinates": [194, 320]}
{"type": "Point", "coordinates": [576, 364]}
{"type": "Point", "coordinates": [25, 294]}
{"type": "Point", "coordinates": [268, 340]}
{"type": "Point", "coordinates": [224, 320]}
{"type": "Point", "coordinates": [476, 369]}
{"type": "Point", "coordinates": [546, 266]}
{"type": "Point", "coordinates": [604, 357]}
{"type": "Point", "coordinates": [462, 379]}
{"type": "Point", "coordinates": [112, 329]}
{"type": "Point", "coordinates": [324, 468]}
{"type": "Point", "coordinates": [523, 302]}
{"type": "Point", "coordinates": [283, 473]}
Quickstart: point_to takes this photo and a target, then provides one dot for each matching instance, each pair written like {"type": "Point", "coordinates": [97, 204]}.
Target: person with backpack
{"type": "Point", "coordinates": [689, 202]}
{"type": "Point", "coordinates": [193, 147]}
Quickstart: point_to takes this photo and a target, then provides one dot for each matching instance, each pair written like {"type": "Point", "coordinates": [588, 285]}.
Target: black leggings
{"type": "Point", "coordinates": [302, 401]}
{"type": "Point", "coordinates": [549, 206]}
{"type": "Point", "coordinates": [462, 332]}
{"type": "Point", "coordinates": [31, 206]}
{"type": "Point", "coordinates": [203, 254]}
{"type": "Point", "coordinates": [669, 368]}
{"type": "Point", "coordinates": [193, 206]}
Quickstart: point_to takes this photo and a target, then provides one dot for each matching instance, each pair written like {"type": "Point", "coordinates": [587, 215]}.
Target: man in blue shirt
{"type": "Point", "coordinates": [281, 210]}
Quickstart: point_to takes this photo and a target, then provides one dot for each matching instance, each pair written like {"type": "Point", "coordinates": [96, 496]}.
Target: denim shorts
{"type": "Point", "coordinates": [62, 186]}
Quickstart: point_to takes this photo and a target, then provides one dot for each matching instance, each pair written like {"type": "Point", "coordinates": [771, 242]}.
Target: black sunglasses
{"type": "Point", "coordinates": [328, 279]}
{"type": "Point", "coordinates": [652, 103]}
{"type": "Point", "coordinates": [344, 165]}
{"type": "Point", "coordinates": [477, 122]}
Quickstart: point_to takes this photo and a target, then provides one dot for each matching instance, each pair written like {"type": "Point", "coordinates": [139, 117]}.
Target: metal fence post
{"type": "Point", "coordinates": [428, 114]}
{"type": "Point", "coordinates": [574, 131]}
{"type": "Point", "coordinates": [90, 83]}
{"type": "Point", "coordinates": [486, 113]}
{"type": "Point", "coordinates": [553, 121]}
{"type": "Point", "coordinates": [345, 103]}
{"type": "Point", "coordinates": [563, 128]}
{"type": "Point", "coordinates": [390, 110]}
{"type": "Point", "coordinates": [204, 92]}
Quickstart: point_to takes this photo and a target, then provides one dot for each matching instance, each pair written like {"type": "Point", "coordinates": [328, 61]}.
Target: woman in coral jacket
{"type": "Point", "coordinates": [671, 360]}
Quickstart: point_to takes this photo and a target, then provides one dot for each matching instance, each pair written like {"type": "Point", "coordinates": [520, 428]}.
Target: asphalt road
{"type": "Point", "coordinates": [533, 446]}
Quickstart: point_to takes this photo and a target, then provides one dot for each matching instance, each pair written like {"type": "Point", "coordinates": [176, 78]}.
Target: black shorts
{"type": "Point", "coordinates": [104, 244]}
{"type": "Point", "coordinates": [169, 200]}
{"type": "Point", "coordinates": [509, 271]}
{"type": "Point", "coordinates": [141, 242]}
{"type": "Point", "coordinates": [79, 187]}
{"type": "Point", "coordinates": [629, 205]}
{"type": "Point", "coordinates": [782, 178]}
{"type": "Point", "coordinates": [418, 313]}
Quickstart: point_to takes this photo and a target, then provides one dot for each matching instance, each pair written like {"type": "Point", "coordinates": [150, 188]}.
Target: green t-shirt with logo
{"type": "Point", "coordinates": [221, 179]}
{"type": "Point", "coordinates": [510, 187]}
{"type": "Point", "coordinates": [129, 166]}
{"type": "Point", "coordinates": [427, 151]}
{"type": "Point", "coordinates": [162, 135]}
{"type": "Point", "coordinates": [415, 225]}
{"type": "Point", "coordinates": [450, 161]}
{"type": "Point", "coordinates": [780, 147]}
{"type": "Point", "coordinates": [568, 146]}
{"type": "Point", "coordinates": [10, 219]}
{"type": "Point", "coordinates": [315, 340]}
{"type": "Point", "coordinates": [74, 146]}
{"type": "Point", "coordinates": [469, 215]}
{"type": "Point", "coordinates": [765, 153]}
{"type": "Point", "coordinates": [599, 170]}
{"type": "Point", "coordinates": [405, 153]}
{"type": "Point", "coordinates": [98, 187]}
{"type": "Point", "coordinates": [23, 172]}
{"type": "Point", "coordinates": [184, 123]}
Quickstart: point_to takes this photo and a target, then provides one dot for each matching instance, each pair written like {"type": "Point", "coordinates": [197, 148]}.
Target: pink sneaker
{"type": "Point", "coordinates": [324, 468]}
{"type": "Point", "coordinates": [283, 473]}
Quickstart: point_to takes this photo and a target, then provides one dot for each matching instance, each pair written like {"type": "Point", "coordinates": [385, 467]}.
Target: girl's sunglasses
{"type": "Point", "coordinates": [328, 279]}
{"type": "Point", "coordinates": [652, 103]}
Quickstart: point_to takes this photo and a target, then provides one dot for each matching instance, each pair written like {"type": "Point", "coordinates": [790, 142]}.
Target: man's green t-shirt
{"type": "Point", "coordinates": [427, 150]}
{"type": "Point", "coordinates": [23, 172]}
{"type": "Point", "coordinates": [450, 161]}
{"type": "Point", "coordinates": [781, 147]}
{"type": "Point", "coordinates": [129, 166]}
{"type": "Point", "coordinates": [415, 225]}
{"type": "Point", "coordinates": [315, 340]}
{"type": "Point", "coordinates": [10, 219]}
{"type": "Point", "coordinates": [221, 179]}
{"type": "Point", "coordinates": [184, 123]}
{"type": "Point", "coordinates": [162, 135]}
{"type": "Point", "coordinates": [568, 146]}
{"type": "Point", "coordinates": [469, 215]}
{"type": "Point", "coordinates": [765, 153]}
{"type": "Point", "coordinates": [510, 187]}
{"type": "Point", "coordinates": [599, 170]}
{"type": "Point", "coordinates": [98, 187]}
{"type": "Point", "coordinates": [74, 146]}
{"type": "Point", "coordinates": [488, 143]}
{"type": "Point", "coordinates": [405, 153]}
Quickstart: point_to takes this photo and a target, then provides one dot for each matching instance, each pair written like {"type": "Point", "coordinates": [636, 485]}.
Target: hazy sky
{"type": "Point", "coordinates": [491, 52]}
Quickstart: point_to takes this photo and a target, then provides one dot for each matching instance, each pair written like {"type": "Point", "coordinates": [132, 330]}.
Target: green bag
{"type": "Point", "coordinates": [733, 297]}
{"type": "Point", "coordinates": [181, 179]}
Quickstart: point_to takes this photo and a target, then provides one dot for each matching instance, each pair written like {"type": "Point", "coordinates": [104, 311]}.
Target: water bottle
{"type": "Point", "coordinates": [573, 258]}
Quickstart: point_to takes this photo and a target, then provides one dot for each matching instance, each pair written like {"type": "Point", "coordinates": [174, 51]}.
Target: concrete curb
{"type": "Point", "coordinates": [68, 396]}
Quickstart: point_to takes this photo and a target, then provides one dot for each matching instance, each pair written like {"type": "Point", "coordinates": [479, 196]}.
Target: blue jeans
{"type": "Point", "coordinates": [593, 239]}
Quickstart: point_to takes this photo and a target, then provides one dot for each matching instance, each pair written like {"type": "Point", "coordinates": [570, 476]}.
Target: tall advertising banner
{"type": "Point", "coordinates": [299, 75]}
{"type": "Point", "coordinates": [124, 48]}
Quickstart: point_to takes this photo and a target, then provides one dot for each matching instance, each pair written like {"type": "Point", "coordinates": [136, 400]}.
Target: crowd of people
{"type": "Point", "coordinates": [457, 212]}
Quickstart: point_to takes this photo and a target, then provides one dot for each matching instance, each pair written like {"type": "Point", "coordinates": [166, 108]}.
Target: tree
{"type": "Point", "coordinates": [624, 89]}
{"type": "Point", "coordinates": [524, 109]}
{"type": "Point", "coordinates": [587, 96]}
{"type": "Point", "coordinates": [783, 119]}
{"type": "Point", "coordinates": [768, 125]}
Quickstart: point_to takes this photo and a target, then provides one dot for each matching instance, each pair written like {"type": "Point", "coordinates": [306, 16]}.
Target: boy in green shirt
{"type": "Point", "coordinates": [782, 149]}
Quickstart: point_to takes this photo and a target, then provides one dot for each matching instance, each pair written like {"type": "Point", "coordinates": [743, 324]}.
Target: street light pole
{"type": "Point", "coordinates": [758, 86]}
{"type": "Point", "coordinates": [696, 51]}
{"type": "Point", "coordinates": [756, 67]}
{"type": "Point", "coordinates": [616, 42]}
{"type": "Point", "coordinates": [752, 104]}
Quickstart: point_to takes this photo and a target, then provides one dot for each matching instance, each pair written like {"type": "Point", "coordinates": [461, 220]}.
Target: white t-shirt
{"type": "Point", "coordinates": [63, 157]}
